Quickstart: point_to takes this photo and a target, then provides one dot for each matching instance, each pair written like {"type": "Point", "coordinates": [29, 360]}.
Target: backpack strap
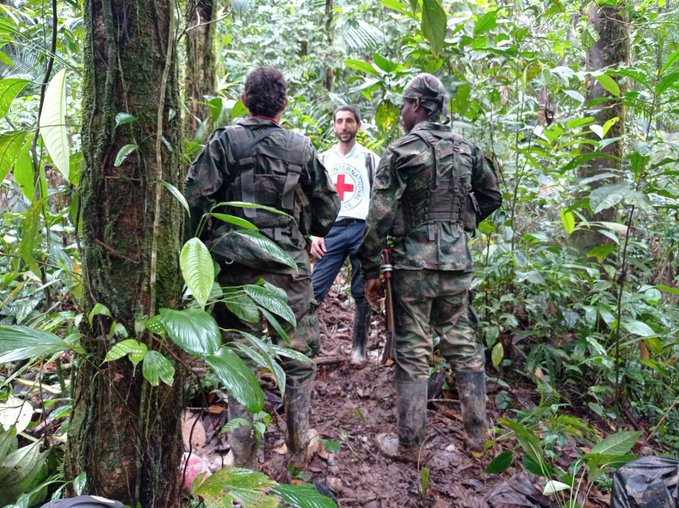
{"type": "Point", "coordinates": [444, 205]}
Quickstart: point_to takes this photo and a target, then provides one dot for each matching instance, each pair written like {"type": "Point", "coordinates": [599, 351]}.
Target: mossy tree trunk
{"type": "Point", "coordinates": [200, 64]}
{"type": "Point", "coordinates": [124, 433]}
{"type": "Point", "coordinates": [612, 48]}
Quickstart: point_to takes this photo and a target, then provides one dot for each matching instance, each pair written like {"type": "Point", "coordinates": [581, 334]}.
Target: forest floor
{"type": "Point", "coordinates": [351, 405]}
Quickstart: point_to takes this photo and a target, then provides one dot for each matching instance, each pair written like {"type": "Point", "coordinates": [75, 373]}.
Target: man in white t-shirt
{"type": "Point", "coordinates": [351, 167]}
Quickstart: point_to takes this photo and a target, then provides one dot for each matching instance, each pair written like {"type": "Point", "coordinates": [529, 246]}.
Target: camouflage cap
{"type": "Point", "coordinates": [430, 91]}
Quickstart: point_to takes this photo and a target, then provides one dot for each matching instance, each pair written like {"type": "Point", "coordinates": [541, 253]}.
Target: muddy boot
{"type": "Point", "coordinates": [297, 402]}
{"type": "Point", "coordinates": [359, 335]}
{"type": "Point", "coordinates": [472, 390]}
{"type": "Point", "coordinates": [242, 439]}
{"type": "Point", "coordinates": [411, 400]}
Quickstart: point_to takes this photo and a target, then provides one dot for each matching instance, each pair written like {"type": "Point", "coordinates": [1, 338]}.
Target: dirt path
{"type": "Point", "coordinates": [350, 406]}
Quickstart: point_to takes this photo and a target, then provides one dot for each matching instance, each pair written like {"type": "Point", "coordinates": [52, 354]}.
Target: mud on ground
{"type": "Point", "coordinates": [351, 405]}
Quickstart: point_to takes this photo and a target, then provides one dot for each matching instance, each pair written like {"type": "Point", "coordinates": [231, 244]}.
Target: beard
{"type": "Point", "coordinates": [347, 137]}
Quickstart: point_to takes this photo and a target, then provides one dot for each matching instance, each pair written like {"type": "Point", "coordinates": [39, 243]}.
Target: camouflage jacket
{"type": "Point", "coordinates": [272, 154]}
{"type": "Point", "coordinates": [406, 170]}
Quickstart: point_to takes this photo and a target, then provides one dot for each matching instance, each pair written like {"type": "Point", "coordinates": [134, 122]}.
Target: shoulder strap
{"type": "Point", "coordinates": [243, 140]}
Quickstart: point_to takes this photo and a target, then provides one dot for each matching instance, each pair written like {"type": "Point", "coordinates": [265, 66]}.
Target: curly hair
{"type": "Point", "coordinates": [265, 91]}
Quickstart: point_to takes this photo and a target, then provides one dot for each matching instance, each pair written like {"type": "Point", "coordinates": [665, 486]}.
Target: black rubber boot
{"type": "Point", "coordinates": [411, 401]}
{"type": "Point", "coordinates": [242, 439]}
{"type": "Point", "coordinates": [359, 334]}
{"type": "Point", "coordinates": [471, 387]}
{"type": "Point", "coordinates": [297, 403]}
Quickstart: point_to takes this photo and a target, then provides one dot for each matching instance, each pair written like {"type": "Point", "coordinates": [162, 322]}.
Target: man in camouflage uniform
{"type": "Point", "coordinates": [429, 187]}
{"type": "Point", "coordinates": [258, 161]}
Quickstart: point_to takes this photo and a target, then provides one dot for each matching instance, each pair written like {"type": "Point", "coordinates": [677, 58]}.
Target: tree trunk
{"type": "Point", "coordinates": [329, 35]}
{"type": "Point", "coordinates": [612, 49]}
{"type": "Point", "coordinates": [124, 433]}
{"type": "Point", "coordinates": [200, 63]}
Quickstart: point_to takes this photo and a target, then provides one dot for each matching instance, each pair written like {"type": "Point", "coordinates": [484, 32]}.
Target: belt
{"type": "Point", "coordinates": [347, 222]}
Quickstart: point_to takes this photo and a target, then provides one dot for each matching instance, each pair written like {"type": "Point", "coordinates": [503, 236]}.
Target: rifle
{"type": "Point", "coordinates": [387, 269]}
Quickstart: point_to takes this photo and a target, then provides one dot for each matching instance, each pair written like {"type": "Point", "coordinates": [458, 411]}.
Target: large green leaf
{"type": "Point", "coordinates": [8, 443]}
{"type": "Point", "coordinates": [276, 325]}
{"type": "Point", "coordinates": [486, 23]}
{"type": "Point", "coordinates": [670, 80]}
{"type": "Point", "coordinates": [434, 25]}
{"type": "Point", "coordinates": [605, 197]}
{"type": "Point", "coordinates": [30, 235]}
{"type": "Point", "coordinates": [387, 115]}
{"type": "Point", "coordinates": [235, 220]}
{"type": "Point", "coordinates": [21, 343]}
{"type": "Point", "coordinates": [9, 89]}
{"type": "Point", "coordinates": [157, 367]}
{"type": "Point", "coordinates": [177, 195]}
{"type": "Point", "coordinates": [638, 328]}
{"type": "Point", "coordinates": [361, 65]}
{"type": "Point", "coordinates": [238, 378]}
{"type": "Point", "coordinates": [11, 144]}
{"type": "Point", "coordinates": [639, 200]}
{"type": "Point", "coordinates": [261, 354]}
{"type": "Point", "coordinates": [617, 444]}
{"type": "Point", "coordinates": [671, 60]}
{"type": "Point", "coordinates": [267, 247]}
{"type": "Point", "coordinates": [270, 301]}
{"type": "Point", "coordinates": [248, 488]}
{"type": "Point", "coordinates": [24, 172]}
{"type": "Point", "coordinates": [304, 496]}
{"type": "Point", "coordinates": [193, 330]}
{"type": "Point", "coordinates": [124, 152]}
{"type": "Point", "coordinates": [245, 204]}
{"type": "Point", "coordinates": [609, 84]}
{"type": "Point", "coordinates": [530, 443]}
{"type": "Point", "coordinates": [501, 463]}
{"type": "Point", "coordinates": [129, 347]}
{"type": "Point", "coordinates": [198, 269]}
{"type": "Point", "coordinates": [53, 123]}
{"type": "Point", "coordinates": [22, 471]}
{"type": "Point", "coordinates": [242, 306]}
{"type": "Point", "coordinates": [289, 353]}
{"type": "Point", "coordinates": [384, 63]}
{"type": "Point", "coordinates": [568, 220]}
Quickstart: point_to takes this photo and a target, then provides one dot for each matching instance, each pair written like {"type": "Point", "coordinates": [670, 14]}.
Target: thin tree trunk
{"type": "Point", "coordinates": [200, 63]}
{"type": "Point", "coordinates": [612, 49]}
{"type": "Point", "coordinates": [124, 434]}
{"type": "Point", "coordinates": [329, 72]}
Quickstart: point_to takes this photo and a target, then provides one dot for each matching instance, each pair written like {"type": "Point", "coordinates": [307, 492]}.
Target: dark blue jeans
{"type": "Point", "coordinates": [340, 243]}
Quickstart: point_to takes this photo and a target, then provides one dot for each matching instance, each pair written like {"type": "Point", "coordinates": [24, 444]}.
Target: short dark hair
{"type": "Point", "coordinates": [265, 91]}
{"type": "Point", "coordinates": [350, 109]}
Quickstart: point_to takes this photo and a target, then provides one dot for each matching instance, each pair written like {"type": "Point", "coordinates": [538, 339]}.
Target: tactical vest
{"type": "Point", "coordinates": [269, 184]}
{"type": "Point", "coordinates": [442, 196]}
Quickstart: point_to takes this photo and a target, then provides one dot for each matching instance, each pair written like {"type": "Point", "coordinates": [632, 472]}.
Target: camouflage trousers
{"type": "Point", "coordinates": [305, 338]}
{"type": "Point", "coordinates": [427, 301]}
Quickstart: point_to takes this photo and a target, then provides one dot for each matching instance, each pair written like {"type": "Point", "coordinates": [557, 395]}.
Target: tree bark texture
{"type": "Point", "coordinates": [612, 49]}
{"type": "Point", "coordinates": [200, 63]}
{"type": "Point", "coordinates": [124, 433]}
{"type": "Point", "coordinates": [329, 35]}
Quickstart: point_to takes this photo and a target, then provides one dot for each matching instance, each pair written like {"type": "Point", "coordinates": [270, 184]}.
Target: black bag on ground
{"type": "Point", "coordinates": [648, 482]}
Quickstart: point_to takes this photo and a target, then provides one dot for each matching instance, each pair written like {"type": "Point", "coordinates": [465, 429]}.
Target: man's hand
{"type": "Point", "coordinates": [318, 247]}
{"type": "Point", "coordinates": [374, 292]}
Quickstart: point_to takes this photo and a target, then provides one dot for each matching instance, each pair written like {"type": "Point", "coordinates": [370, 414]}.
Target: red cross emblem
{"type": "Point", "coordinates": [343, 186]}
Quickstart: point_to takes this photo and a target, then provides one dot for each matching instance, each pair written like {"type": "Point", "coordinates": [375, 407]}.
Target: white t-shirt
{"type": "Point", "coordinates": [350, 175]}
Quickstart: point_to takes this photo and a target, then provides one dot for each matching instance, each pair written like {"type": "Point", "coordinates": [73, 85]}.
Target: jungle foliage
{"type": "Point", "coordinates": [593, 328]}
